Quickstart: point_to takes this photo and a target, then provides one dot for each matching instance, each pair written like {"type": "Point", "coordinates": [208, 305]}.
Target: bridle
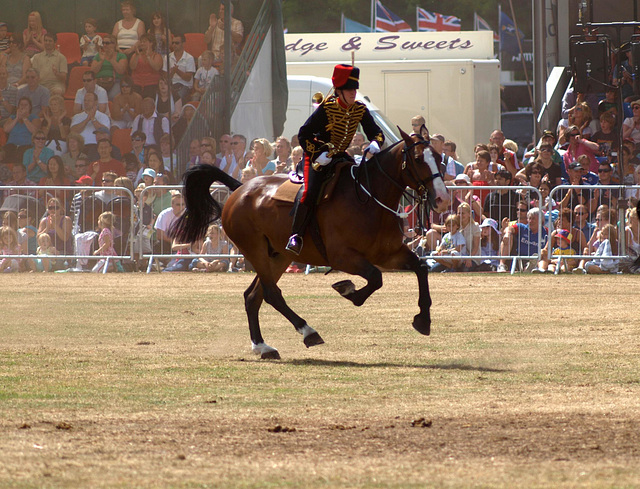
{"type": "Point", "coordinates": [410, 165]}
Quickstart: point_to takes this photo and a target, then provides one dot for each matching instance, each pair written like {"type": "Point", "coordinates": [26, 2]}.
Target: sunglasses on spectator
{"type": "Point", "coordinates": [579, 213]}
{"type": "Point", "coordinates": [105, 180]}
{"type": "Point", "coordinates": [634, 107]}
{"type": "Point", "coordinates": [604, 170]}
{"type": "Point", "coordinates": [176, 42]}
{"type": "Point", "coordinates": [122, 85]}
{"type": "Point", "coordinates": [574, 135]}
{"type": "Point", "coordinates": [81, 165]}
{"type": "Point", "coordinates": [522, 210]}
{"type": "Point", "coordinates": [205, 144]}
{"type": "Point", "coordinates": [545, 150]}
{"type": "Point", "coordinates": [137, 139]}
{"type": "Point", "coordinates": [53, 207]}
{"type": "Point", "coordinates": [235, 143]}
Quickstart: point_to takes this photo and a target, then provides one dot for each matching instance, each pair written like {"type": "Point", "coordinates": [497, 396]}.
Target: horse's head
{"type": "Point", "coordinates": [421, 169]}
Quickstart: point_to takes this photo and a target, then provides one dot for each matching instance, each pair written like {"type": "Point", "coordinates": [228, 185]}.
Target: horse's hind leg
{"type": "Point", "coordinates": [253, 298]}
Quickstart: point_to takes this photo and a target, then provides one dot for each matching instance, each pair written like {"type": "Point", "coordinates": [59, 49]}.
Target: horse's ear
{"type": "Point", "coordinates": [407, 139]}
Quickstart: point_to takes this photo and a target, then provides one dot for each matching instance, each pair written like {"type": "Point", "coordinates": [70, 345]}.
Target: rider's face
{"type": "Point", "coordinates": [348, 95]}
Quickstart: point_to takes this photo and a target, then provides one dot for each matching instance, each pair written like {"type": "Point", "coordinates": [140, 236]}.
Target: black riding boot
{"type": "Point", "coordinates": [300, 221]}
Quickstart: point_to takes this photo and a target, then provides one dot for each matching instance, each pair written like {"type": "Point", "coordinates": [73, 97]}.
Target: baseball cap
{"type": "Point", "coordinates": [575, 166]}
{"type": "Point", "coordinates": [462, 177]}
{"type": "Point", "coordinates": [488, 222]}
{"type": "Point", "coordinates": [85, 181]}
{"type": "Point", "coordinates": [149, 172]}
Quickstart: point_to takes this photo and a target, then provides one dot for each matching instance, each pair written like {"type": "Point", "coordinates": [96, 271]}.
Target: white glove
{"type": "Point", "coordinates": [324, 159]}
{"type": "Point", "coordinates": [373, 148]}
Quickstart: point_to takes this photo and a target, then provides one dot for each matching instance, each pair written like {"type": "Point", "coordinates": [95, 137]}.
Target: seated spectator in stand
{"type": "Point", "coordinates": [607, 196]}
{"type": "Point", "coordinates": [159, 32]}
{"type": "Point", "coordinates": [35, 92]}
{"type": "Point", "coordinates": [26, 223]}
{"type": "Point", "coordinates": [108, 182]}
{"type": "Point", "coordinates": [52, 66]}
{"type": "Point", "coordinates": [166, 143]}
{"type": "Point", "coordinates": [127, 105]}
{"type": "Point", "coordinates": [214, 36]}
{"type": "Point", "coordinates": [580, 116]}
{"type": "Point", "coordinates": [148, 179]}
{"type": "Point", "coordinates": [20, 127]}
{"type": "Point", "coordinates": [581, 221]}
{"type": "Point", "coordinates": [75, 151]}
{"type": "Point", "coordinates": [296, 156]}
{"type": "Point", "coordinates": [56, 176]}
{"type": "Point", "coordinates": [4, 38]}
{"type": "Point", "coordinates": [501, 203]}
{"type": "Point", "coordinates": [603, 218]}
{"type": "Point", "coordinates": [133, 167]}
{"type": "Point", "coordinates": [106, 222]}
{"type": "Point", "coordinates": [482, 174]}
{"type": "Point", "coordinates": [168, 104]}
{"type": "Point", "coordinates": [138, 143]}
{"type": "Point", "coordinates": [506, 158]}
{"type": "Point", "coordinates": [608, 247]}
{"type": "Point", "coordinates": [450, 161]}
{"type": "Point", "coordinates": [106, 163]}
{"type": "Point", "coordinates": [489, 244]}
{"type": "Point", "coordinates": [16, 62]}
{"type": "Point", "coordinates": [548, 137]}
{"type": "Point", "coordinates": [547, 166]}
{"type": "Point", "coordinates": [165, 220]}
{"type": "Point", "coordinates": [10, 219]}
{"type": "Point", "coordinates": [588, 177]}
{"type": "Point", "coordinates": [129, 30]}
{"type": "Point", "coordinates": [33, 35]}
{"type": "Point", "coordinates": [154, 161]}
{"type": "Point", "coordinates": [579, 146]}
{"type": "Point", "coordinates": [110, 66]}
{"type": "Point", "coordinates": [163, 196]}
{"type": "Point", "coordinates": [8, 95]}
{"type": "Point", "coordinates": [80, 168]}
{"type": "Point", "coordinates": [145, 65]}
{"type": "Point", "coordinates": [195, 153]}
{"type": "Point", "coordinates": [182, 67]}
{"type": "Point", "coordinates": [631, 125]}
{"type": "Point", "coordinates": [153, 125]}
{"type": "Point", "coordinates": [471, 232]}
{"type": "Point", "coordinates": [204, 76]}
{"type": "Point", "coordinates": [35, 159]}
{"type": "Point", "coordinates": [208, 158]}
{"type": "Point", "coordinates": [90, 83]}
{"type": "Point", "coordinates": [19, 173]}
{"type": "Point", "coordinates": [283, 161]}
{"type": "Point", "coordinates": [90, 42]}
{"type": "Point", "coordinates": [607, 137]}
{"type": "Point", "coordinates": [180, 127]}
{"type": "Point", "coordinates": [561, 249]}
{"type": "Point", "coordinates": [632, 233]}
{"type": "Point", "coordinates": [239, 147]}
{"type": "Point", "coordinates": [56, 125]}
{"type": "Point", "coordinates": [573, 197]}
{"type": "Point", "coordinates": [103, 133]}
{"type": "Point", "coordinates": [633, 194]}
{"type": "Point", "coordinates": [260, 161]}
{"type": "Point", "coordinates": [89, 120]}
{"type": "Point", "coordinates": [58, 226]}
{"type": "Point", "coordinates": [526, 237]}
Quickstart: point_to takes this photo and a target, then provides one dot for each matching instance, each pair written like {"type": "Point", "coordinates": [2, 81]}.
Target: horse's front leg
{"type": "Point", "coordinates": [405, 259]}
{"type": "Point", "coordinates": [367, 271]}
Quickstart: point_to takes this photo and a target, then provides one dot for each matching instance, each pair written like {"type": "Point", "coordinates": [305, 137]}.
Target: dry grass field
{"type": "Point", "coordinates": [148, 381]}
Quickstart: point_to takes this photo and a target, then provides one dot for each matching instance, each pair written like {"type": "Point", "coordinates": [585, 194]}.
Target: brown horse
{"type": "Point", "coordinates": [360, 228]}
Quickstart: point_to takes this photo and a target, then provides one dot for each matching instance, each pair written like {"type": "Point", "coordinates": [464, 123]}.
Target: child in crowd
{"type": "Point", "coordinates": [489, 244]}
{"type": "Point", "coordinates": [159, 30]}
{"type": "Point", "coordinates": [4, 39]}
{"type": "Point", "coordinates": [105, 240]}
{"type": "Point", "coordinates": [204, 76]}
{"type": "Point", "coordinates": [9, 246]}
{"type": "Point", "coordinates": [45, 249]}
{"type": "Point", "coordinates": [608, 247]}
{"type": "Point", "coordinates": [296, 156]}
{"type": "Point", "coordinates": [248, 173]}
{"type": "Point", "coordinates": [452, 244]}
{"type": "Point", "coordinates": [91, 42]}
{"type": "Point", "coordinates": [215, 244]}
{"type": "Point", "coordinates": [562, 248]}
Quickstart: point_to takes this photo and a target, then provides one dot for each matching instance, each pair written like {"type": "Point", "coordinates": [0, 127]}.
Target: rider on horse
{"type": "Point", "coordinates": [325, 137]}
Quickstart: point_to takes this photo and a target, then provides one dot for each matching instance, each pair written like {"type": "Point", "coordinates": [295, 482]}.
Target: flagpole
{"type": "Point", "coordinates": [373, 9]}
{"type": "Point", "coordinates": [475, 21]}
{"type": "Point", "coordinates": [417, 19]}
{"type": "Point", "coordinates": [342, 26]}
{"type": "Point", "coordinates": [524, 64]}
{"type": "Point", "coordinates": [500, 35]}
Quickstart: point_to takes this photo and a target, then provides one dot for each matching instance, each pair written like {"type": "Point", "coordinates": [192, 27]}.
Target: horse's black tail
{"type": "Point", "coordinates": [201, 208]}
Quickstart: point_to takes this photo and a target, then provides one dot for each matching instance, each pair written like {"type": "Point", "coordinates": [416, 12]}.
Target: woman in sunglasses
{"type": "Point", "coordinates": [58, 226]}
{"type": "Point", "coordinates": [35, 159]}
{"type": "Point", "coordinates": [109, 65]}
{"type": "Point", "coordinates": [20, 127]}
{"type": "Point", "coordinates": [17, 62]}
{"type": "Point", "coordinates": [579, 146]}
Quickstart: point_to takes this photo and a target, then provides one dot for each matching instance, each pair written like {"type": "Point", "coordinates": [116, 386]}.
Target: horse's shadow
{"type": "Point", "coordinates": [336, 363]}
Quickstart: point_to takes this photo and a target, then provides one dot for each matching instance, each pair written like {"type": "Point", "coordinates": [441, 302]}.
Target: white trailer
{"type": "Point", "coordinates": [450, 78]}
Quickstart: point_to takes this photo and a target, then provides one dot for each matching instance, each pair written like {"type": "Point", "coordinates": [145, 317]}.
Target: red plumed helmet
{"type": "Point", "coordinates": [345, 77]}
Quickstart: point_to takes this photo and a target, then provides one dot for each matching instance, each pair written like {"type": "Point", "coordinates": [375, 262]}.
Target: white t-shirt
{"type": "Point", "coordinates": [87, 133]}
{"type": "Point", "coordinates": [205, 77]}
{"type": "Point", "coordinates": [186, 63]}
{"type": "Point", "coordinates": [165, 219]}
{"type": "Point", "coordinates": [103, 98]}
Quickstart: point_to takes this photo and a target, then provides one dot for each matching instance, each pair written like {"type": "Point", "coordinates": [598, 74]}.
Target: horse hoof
{"type": "Point", "coordinates": [422, 325]}
{"type": "Point", "coordinates": [344, 287]}
{"type": "Point", "coordinates": [270, 355]}
{"type": "Point", "coordinates": [313, 339]}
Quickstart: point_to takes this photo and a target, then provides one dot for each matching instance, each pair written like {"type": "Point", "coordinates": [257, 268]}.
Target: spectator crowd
{"type": "Point", "coordinates": [110, 115]}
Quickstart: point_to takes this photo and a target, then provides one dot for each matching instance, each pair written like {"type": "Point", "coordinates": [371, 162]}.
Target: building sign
{"type": "Point", "coordinates": [389, 45]}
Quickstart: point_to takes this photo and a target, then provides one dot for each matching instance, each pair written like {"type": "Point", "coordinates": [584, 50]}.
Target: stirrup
{"type": "Point", "coordinates": [295, 244]}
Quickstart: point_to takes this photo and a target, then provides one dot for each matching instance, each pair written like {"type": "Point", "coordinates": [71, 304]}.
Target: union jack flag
{"type": "Point", "coordinates": [433, 21]}
{"type": "Point", "coordinates": [387, 21]}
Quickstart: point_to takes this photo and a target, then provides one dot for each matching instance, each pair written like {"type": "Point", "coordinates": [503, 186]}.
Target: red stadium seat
{"type": "Point", "coordinates": [121, 138]}
{"type": "Point", "coordinates": [68, 105]}
{"type": "Point", "coordinates": [69, 45]}
{"type": "Point", "coordinates": [194, 44]}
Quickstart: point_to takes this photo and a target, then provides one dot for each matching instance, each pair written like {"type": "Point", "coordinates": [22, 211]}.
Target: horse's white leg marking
{"type": "Point", "coordinates": [306, 330]}
{"type": "Point", "coordinates": [262, 348]}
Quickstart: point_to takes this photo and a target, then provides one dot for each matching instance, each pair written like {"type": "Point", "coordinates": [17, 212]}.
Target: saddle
{"type": "Point", "coordinates": [291, 189]}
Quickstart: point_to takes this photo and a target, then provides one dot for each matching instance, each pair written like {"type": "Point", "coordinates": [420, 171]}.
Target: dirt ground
{"type": "Point", "coordinates": [148, 381]}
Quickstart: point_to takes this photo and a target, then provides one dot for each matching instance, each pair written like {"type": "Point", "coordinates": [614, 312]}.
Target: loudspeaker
{"type": "Point", "coordinates": [590, 64]}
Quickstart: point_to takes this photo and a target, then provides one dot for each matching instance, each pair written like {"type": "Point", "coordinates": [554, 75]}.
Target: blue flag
{"type": "Point", "coordinates": [508, 36]}
{"type": "Point", "coordinates": [353, 26]}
